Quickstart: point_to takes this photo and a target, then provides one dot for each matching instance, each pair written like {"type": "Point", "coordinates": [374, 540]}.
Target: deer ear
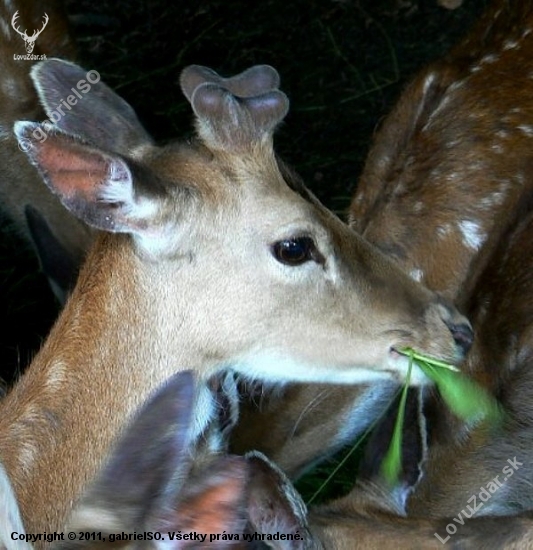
{"type": "Point", "coordinates": [77, 102]}
{"type": "Point", "coordinates": [212, 502]}
{"type": "Point", "coordinates": [95, 186]}
{"type": "Point", "coordinates": [274, 505]}
{"type": "Point", "coordinates": [147, 466]}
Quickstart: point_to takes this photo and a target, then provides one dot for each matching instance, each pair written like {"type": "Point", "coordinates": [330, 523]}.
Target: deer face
{"type": "Point", "coordinates": [227, 244]}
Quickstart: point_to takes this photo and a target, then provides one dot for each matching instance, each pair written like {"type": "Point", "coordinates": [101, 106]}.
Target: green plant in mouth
{"type": "Point", "coordinates": [465, 398]}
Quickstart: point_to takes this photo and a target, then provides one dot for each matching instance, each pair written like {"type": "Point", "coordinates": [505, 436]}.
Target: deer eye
{"type": "Point", "coordinates": [296, 251]}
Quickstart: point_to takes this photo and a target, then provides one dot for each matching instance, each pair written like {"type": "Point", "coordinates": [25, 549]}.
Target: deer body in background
{"type": "Point", "coordinates": [446, 174]}
{"type": "Point", "coordinates": [60, 239]}
{"type": "Point", "coordinates": [212, 256]}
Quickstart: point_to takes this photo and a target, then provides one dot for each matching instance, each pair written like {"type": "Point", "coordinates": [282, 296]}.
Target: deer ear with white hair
{"type": "Point", "coordinates": [96, 186]}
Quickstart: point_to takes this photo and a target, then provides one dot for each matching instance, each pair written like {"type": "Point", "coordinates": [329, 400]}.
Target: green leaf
{"type": "Point", "coordinates": [465, 398]}
{"type": "Point", "coordinates": [392, 462]}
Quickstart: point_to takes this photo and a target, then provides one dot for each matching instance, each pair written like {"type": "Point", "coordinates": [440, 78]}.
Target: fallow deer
{"type": "Point", "coordinates": [212, 255]}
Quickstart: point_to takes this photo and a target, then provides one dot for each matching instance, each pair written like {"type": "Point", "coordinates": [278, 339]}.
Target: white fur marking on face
{"type": "Point", "coordinates": [10, 519]}
{"type": "Point", "coordinates": [275, 368]}
{"type": "Point", "coordinates": [472, 236]}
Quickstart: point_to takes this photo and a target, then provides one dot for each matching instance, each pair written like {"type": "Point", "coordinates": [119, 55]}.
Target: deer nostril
{"type": "Point", "coordinates": [462, 334]}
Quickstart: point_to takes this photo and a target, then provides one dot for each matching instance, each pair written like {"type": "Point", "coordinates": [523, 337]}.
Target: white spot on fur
{"type": "Point", "coordinates": [430, 78]}
{"type": "Point", "coordinates": [504, 186]}
{"type": "Point", "coordinates": [489, 58]}
{"type": "Point", "coordinates": [57, 376]}
{"type": "Point", "coordinates": [26, 455]}
{"type": "Point", "coordinates": [458, 84]}
{"type": "Point", "coordinates": [444, 230]}
{"type": "Point", "coordinates": [526, 32]}
{"type": "Point", "coordinates": [472, 237]}
{"type": "Point", "coordinates": [416, 274]}
{"type": "Point", "coordinates": [418, 207]}
{"type": "Point", "coordinates": [511, 45]}
{"type": "Point", "coordinates": [495, 199]}
{"type": "Point", "coordinates": [526, 129]}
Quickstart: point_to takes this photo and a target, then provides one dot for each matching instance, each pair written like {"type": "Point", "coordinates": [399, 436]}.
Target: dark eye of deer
{"type": "Point", "coordinates": [296, 251]}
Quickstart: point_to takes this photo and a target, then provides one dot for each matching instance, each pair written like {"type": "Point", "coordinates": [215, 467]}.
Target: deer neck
{"type": "Point", "coordinates": [110, 348]}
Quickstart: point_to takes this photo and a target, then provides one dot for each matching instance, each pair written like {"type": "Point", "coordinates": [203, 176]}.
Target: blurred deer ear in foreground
{"type": "Point", "coordinates": [152, 484]}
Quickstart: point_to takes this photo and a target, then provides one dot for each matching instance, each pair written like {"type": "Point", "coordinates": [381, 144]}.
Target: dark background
{"type": "Point", "coordinates": [343, 63]}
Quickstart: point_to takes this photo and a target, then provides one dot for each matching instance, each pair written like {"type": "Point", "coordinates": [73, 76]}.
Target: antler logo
{"type": "Point", "coordinates": [29, 40]}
